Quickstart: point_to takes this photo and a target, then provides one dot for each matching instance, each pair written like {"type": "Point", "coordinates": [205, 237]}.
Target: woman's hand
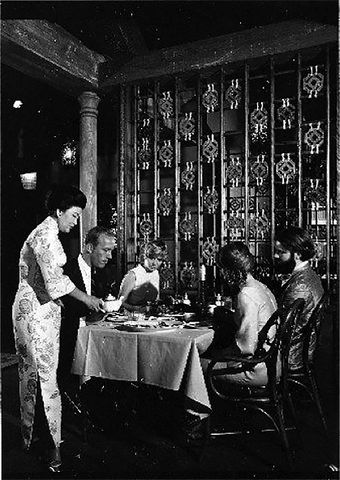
{"type": "Point", "coordinates": [95, 304]}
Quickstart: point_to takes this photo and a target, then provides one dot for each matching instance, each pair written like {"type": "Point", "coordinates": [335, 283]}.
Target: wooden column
{"type": "Point", "coordinates": [88, 158]}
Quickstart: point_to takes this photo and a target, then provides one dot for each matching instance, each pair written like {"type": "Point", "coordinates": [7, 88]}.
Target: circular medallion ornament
{"type": "Point", "coordinates": [209, 250]}
{"type": "Point", "coordinates": [187, 126]}
{"type": "Point", "coordinates": [259, 123]}
{"type": "Point", "coordinates": [188, 275]}
{"type": "Point", "coordinates": [233, 94]}
{"type": "Point", "coordinates": [260, 169]}
{"type": "Point", "coordinates": [285, 168]}
{"type": "Point", "coordinates": [314, 137]}
{"type": "Point", "coordinates": [166, 154]}
{"type": "Point", "coordinates": [210, 200]}
{"type": "Point", "coordinates": [259, 225]}
{"type": "Point", "coordinates": [144, 154]}
{"type": "Point", "coordinates": [165, 202]}
{"type": "Point", "coordinates": [210, 149]}
{"type": "Point", "coordinates": [166, 105]}
{"type": "Point", "coordinates": [146, 226]}
{"type": "Point", "coordinates": [210, 98]}
{"type": "Point", "coordinates": [188, 176]}
{"type": "Point", "coordinates": [167, 276]}
{"type": "Point", "coordinates": [235, 204]}
{"type": "Point", "coordinates": [315, 194]}
{"type": "Point", "coordinates": [234, 224]}
{"type": "Point", "coordinates": [286, 114]}
{"type": "Point", "coordinates": [187, 227]}
{"type": "Point", "coordinates": [234, 171]}
{"type": "Point", "coordinates": [313, 82]}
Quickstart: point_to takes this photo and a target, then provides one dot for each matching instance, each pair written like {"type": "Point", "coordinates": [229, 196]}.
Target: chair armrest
{"type": "Point", "coordinates": [246, 358]}
{"type": "Point", "coordinates": [240, 363]}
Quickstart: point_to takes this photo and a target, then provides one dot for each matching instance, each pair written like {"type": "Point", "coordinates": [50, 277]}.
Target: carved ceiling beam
{"type": "Point", "coordinates": [46, 51]}
{"type": "Point", "coordinates": [249, 44]}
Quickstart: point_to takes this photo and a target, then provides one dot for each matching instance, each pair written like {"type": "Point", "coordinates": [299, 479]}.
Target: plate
{"type": "Point", "coordinates": [167, 321]}
{"type": "Point", "coordinates": [131, 328]}
{"type": "Point", "coordinates": [109, 317]}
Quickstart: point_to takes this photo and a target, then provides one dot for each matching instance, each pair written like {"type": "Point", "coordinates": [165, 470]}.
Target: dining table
{"type": "Point", "coordinates": [168, 358]}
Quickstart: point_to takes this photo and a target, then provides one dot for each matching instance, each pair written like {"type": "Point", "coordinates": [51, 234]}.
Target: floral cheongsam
{"type": "Point", "coordinates": [36, 324]}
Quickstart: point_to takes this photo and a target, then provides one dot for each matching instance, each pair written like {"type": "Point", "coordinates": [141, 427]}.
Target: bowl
{"type": "Point", "coordinates": [112, 305]}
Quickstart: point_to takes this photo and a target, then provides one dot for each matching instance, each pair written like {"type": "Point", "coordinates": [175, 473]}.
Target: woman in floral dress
{"type": "Point", "coordinates": [37, 314]}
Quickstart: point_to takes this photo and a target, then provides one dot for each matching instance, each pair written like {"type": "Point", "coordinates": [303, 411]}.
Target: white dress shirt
{"type": "Point", "coordinates": [85, 271]}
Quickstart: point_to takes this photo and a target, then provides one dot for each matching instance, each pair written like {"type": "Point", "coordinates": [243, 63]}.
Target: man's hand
{"type": "Point", "coordinates": [95, 304]}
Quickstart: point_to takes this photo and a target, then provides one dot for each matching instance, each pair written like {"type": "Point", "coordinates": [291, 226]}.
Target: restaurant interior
{"type": "Point", "coordinates": [199, 124]}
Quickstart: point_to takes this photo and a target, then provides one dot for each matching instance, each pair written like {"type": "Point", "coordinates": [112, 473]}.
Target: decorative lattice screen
{"type": "Point", "coordinates": [232, 154]}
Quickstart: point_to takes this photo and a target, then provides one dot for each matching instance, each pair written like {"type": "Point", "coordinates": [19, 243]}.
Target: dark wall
{"type": "Point", "coordinates": [32, 139]}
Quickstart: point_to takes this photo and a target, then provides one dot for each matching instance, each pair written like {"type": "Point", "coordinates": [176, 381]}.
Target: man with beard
{"type": "Point", "coordinates": [293, 250]}
{"type": "Point", "coordinates": [90, 272]}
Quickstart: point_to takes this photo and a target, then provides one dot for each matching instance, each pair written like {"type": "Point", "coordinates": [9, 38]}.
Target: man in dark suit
{"type": "Point", "coordinates": [91, 273]}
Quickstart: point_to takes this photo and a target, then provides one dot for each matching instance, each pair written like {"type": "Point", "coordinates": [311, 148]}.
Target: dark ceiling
{"type": "Point", "coordinates": [49, 117]}
{"type": "Point", "coordinates": [166, 23]}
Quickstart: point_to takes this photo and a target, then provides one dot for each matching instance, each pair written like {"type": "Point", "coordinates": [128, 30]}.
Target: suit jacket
{"type": "Point", "coordinates": [72, 312]}
{"type": "Point", "coordinates": [306, 284]}
{"type": "Point", "coordinates": [100, 287]}
{"type": "Point", "coordinates": [101, 282]}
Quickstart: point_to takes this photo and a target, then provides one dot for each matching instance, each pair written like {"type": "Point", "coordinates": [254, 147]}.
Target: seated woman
{"type": "Point", "coordinates": [140, 286]}
{"type": "Point", "coordinates": [254, 304]}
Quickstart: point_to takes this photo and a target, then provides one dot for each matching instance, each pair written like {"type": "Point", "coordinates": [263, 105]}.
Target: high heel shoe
{"type": "Point", "coordinates": [53, 459]}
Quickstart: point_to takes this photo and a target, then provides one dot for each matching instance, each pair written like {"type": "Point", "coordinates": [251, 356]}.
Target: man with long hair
{"type": "Point", "coordinates": [294, 249]}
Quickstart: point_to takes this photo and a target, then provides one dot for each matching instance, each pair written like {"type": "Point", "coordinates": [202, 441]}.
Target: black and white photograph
{"type": "Point", "coordinates": [170, 195]}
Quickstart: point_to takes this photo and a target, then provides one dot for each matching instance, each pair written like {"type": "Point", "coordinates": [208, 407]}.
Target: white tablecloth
{"type": "Point", "coordinates": [164, 359]}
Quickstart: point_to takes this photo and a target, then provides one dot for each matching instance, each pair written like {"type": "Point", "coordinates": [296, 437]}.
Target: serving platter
{"type": "Point", "coordinates": [153, 324]}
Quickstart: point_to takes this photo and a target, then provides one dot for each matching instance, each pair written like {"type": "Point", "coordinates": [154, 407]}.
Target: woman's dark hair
{"type": "Point", "coordinates": [64, 197]}
{"type": "Point", "coordinates": [235, 261]}
{"type": "Point", "coordinates": [297, 240]}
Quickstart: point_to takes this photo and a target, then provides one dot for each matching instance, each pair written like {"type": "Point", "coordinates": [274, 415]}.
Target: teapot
{"type": "Point", "coordinates": [111, 304]}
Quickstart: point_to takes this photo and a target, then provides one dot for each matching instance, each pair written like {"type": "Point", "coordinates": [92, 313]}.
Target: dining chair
{"type": "Point", "coordinates": [304, 377]}
{"type": "Point", "coordinates": [268, 399]}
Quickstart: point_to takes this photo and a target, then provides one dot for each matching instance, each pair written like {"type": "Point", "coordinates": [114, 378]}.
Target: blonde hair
{"type": "Point", "coordinates": [152, 249]}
